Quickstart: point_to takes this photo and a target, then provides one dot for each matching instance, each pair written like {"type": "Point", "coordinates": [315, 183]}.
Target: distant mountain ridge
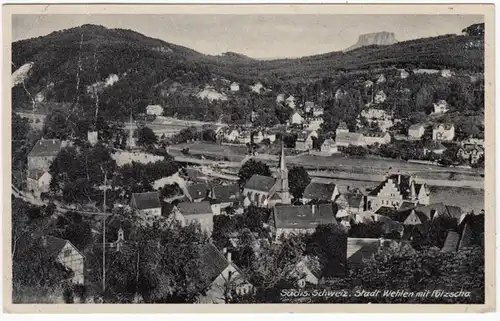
{"type": "Point", "coordinates": [383, 38]}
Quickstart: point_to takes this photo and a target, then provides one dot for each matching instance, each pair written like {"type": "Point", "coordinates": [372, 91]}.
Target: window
{"type": "Point", "coordinates": [67, 253]}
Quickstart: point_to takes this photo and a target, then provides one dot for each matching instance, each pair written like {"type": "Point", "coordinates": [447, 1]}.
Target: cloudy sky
{"type": "Point", "coordinates": [258, 36]}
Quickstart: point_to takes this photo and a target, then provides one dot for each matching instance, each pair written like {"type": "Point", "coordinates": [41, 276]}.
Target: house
{"type": "Point", "coordinates": [39, 160]}
{"type": "Point", "coordinates": [220, 276]}
{"type": "Point", "coordinates": [64, 252]}
{"type": "Point", "coordinates": [441, 107]}
{"type": "Point", "coordinates": [308, 106]}
{"type": "Point", "coordinates": [266, 191]}
{"type": "Point", "coordinates": [443, 132]}
{"type": "Point", "coordinates": [368, 84]}
{"type": "Point", "coordinates": [434, 147]}
{"type": "Point", "coordinates": [329, 147]}
{"type": "Point", "coordinates": [235, 87]}
{"type": "Point", "coordinates": [416, 131]}
{"type": "Point", "coordinates": [352, 202]}
{"type": "Point", "coordinates": [225, 195]}
{"type": "Point", "coordinates": [380, 97]}
{"type": "Point", "coordinates": [245, 137]}
{"type": "Point", "coordinates": [231, 135]}
{"type": "Point", "coordinates": [154, 110]}
{"type": "Point", "coordinates": [198, 191]}
{"type": "Point", "coordinates": [473, 141]}
{"type": "Point", "coordinates": [92, 137]}
{"type": "Point", "coordinates": [380, 138]}
{"type": "Point", "coordinates": [320, 192]}
{"type": "Point", "coordinates": [381, 79]}
{"type": "Point", "coordinates": [298, 219]}
{"type": "Point", "coordinates": [290, 102]}
{"type": "Point", "coordinates": [395, 190]}
{"type": "Point", "coordinates": [342, 127]}
{"type": "Point", "coordinates": [421, 214]}
{"type": "Point", "coordinates": [258, 189]}
{"type": "Point", "coordinates": [344, 139]}
{"type": "Point", "coordinates": [280, 98]}
{"type": "Point", "coordinates": [359, 250]}
{"type": "Point", "coordinates": [446, 73]}
{"type": "Point", "coordinates": [269, 135]}
{"type": "Point", "coordinates": [258, 137]}
{"type": "Point", "coordinates": [258, 87]}
{"type": "Point", "coordinates": [378, 116]}
{"type": "Point", "coordinates": [471, 153]}
{"type": "Point", "coordinates": [147, 203]}
{"type": "Point", "coordinates": [314, 123]}
{"type": "Point", "coordinates": [305, 140]}
{"type": "Point", "coordinates": [296, 118]}
{"type": "Point", "coordinates": [403, 74]}
{"type": "Point", "coordinates": [308, 269]}
{"type": "Point", "coordinates": [199, 213]}
{"type": "Point", "coordinates": [318, 111]}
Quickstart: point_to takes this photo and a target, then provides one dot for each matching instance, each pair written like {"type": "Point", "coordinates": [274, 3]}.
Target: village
{"type": "Point", "coordinates": [179, 200]}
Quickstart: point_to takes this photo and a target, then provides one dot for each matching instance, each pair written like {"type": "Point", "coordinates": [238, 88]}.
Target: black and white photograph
{"type": "Point", "coordinates": [176, 158]}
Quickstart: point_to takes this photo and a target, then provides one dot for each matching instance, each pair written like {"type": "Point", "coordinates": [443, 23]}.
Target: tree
{"type": "Point", "coordinates": [299, 179]}
{"type": "Point", "coordinates": [367, 230]}
{"type": "Point", "coordinates": [329, 244]}
{"type": "Point", "coordinates": [56, 125]}
{"type": "Point", "coordinates": [250, 168]}
{"type": "Point", "coordinates": [146, 136]}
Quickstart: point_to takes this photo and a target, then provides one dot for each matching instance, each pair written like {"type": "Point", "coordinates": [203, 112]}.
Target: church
{"type": "Point", "coordinates": [266, 191]}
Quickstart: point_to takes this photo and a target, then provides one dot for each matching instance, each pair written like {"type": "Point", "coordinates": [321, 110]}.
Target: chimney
{"type": "Point", "coordinates": [229, 257]}
{"type": "Point", "coordinates": [413, 192]}
{"type": "Point", "coordinates": [313, 208]}
{"type": "Point", "coordinates": [399, 179]}
{"type": "Point", "coordinates": [53, 141]}
{"type": "Point", "coordinates": [224, 250]}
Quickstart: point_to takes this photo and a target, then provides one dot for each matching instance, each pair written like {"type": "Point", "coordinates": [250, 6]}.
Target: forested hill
{"type": "Point", "coordinates": [144, 67]}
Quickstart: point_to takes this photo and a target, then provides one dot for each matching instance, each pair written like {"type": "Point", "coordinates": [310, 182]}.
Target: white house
{"type": "Point", "coordinates": [342, 128]}
{"type": "Point", "coordinates": [380, 97]}
{"type": "Point", "coordinates": [154, 110]}
{"type": "Point", "coordinates": [39, 160]}
{"type": "Point", "coordinates": [64, 252]}
{"type": "Point", "coordinates": [381, 79]}
{"type": "Point", "coordinates": [308, 106]}
{"type": "Point", "coordinates": [416, 131]}
{"type": "Point", "coordinates": [380, 138]}
{"type": "Point", "coordinates": [296, 118]}
{"type": "Point", "coordinates": [403, 74]}
{"type": "Point", "coordinates": [318, 111]}
{"type": "Point", "coordinates": [345, 139]}
{"type": "Point", "coordinates": [314, 123]}
{"type": "Point", "coordinates": [443, 132]}
{"type": "Point", "coordinates": [147, 203]}
{"type": "Point", "coordinates": [446, 73]}
{"type": "Point", "coordinates": [305, 140]}
{"type": "Point", "coordinates": [231, 135]}
{"type": "Point", "coordinates": [235, 86]}
{"type": "Point", "coordinates": [441, 107]}
{"type": "Point", "coordinates": [329, 147]}
{"type": "Point", "coordinates": [290, 102]}
{"type": "Point", "coordinates": [197, 212]}
{"type": "Point", "coordinates": [301, 219]}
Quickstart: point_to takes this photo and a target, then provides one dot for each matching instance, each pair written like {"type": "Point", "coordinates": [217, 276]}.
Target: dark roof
{"type": "Point", "coordinates": [194, 208]}
{"type": "Point", "coordinates": [226, 193]}
{"type": "Point", "coordinates": [260, 183]}
{"type": "Point", "coordinates": [386, 211]}
{"type": "Point", "coordinates": [415, 126]}
{"type": "Point", "coordinates": [433, 145]}
{"type": "Point", "coordinates": [319, 191]}
{"type": "Point", "coordinates": [466, 238]}
{"type": "Point", "coordinates": [166, 209]}
{"type": "Point", "coordinates": [443, 125]}
{"type": "Point", "coordinates": [55, 245]}
{"type": "Point", "coordinates": [199, 190]}
{"type": "Point", "coordinates": [147, 200]}
{"type": "Point", "coordinates": [374, 134]}
{"type": "Point", "coordinates": [302, 216]}
{"type": "Point", "coordinates": [194, 174]}
{"type": "Point", "coordinates": [46, 147]}
{"type": "Point", "coordinates": [36, 173]}
{"type": "Point", "coordinates": [451, 242]}
{"type": "Point", "coordinates": [439, 208]}
{"type": "Point", "coordinates": [354, 199]}
{"type": "Point", "coordinates": [360, 249]}
{"type": "Point", "coordinates": [342, 125]}
{"type": "Point", "coordinates": [403, 186]}
{"type": "Point", "coordinates": [213, 263]}
{"type": "Point", "coordinates": [406, 205]}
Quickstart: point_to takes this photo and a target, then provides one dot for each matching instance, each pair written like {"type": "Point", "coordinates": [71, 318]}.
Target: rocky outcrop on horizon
{"type": "Point", "coordinates": [383, 38]}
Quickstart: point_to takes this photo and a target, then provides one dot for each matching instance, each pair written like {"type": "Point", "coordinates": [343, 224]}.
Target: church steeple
{"type": "Point", "coordinates": [282, 181]}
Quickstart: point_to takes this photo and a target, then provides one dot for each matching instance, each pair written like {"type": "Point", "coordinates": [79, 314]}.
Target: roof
{"type": "Point", "coordinates": [451, 242]}
{"type": "Point", "coordinates": [226, 193]}
{"type": "Point", "coordinates": [346, 137]}
{"type": "Point", "coordinates": [154, 106]}
{"type": "Point", "coordinates": [36, 174]}
{"type": "Point", "coordinates": [146, 200]}
{"type": "Point", "coordinates": [446, 126]}
{"type": "Point", "coordinates": [360, 249]}
{"type": "Point", "coordinates": [375, 134]}
{"type": "Point", "coordinates": [302, 216]}
{"type": "Point", "coordinates": [342, 125]}
{"type": "Point", "coordinates": [319, 191]}
{"type": "Point", "coordinates": [260, 183]}
{"type": "Point", "coordinates": [46, 147]}
{"type": "Point", "coordinates": [433, 145]}
{"type": "Point", "coordinates": [440, 208]}
{"type": "Point", "coordinates": [55, 245]}
{"type": "Point", "coordinates": [416, 127]}
{"type": "Point", "coordinates": [198, 190]}
{"type": "Point", "coordinates": [354, 199]}
{"type": "Point", "coordinates": [329, 142]}
{"type": "Point", "coordinates": [213, 263]}
{"type": "Point", "coordinates": [403, 186]}
{"type": "Point", "coordinates": [195, 208]}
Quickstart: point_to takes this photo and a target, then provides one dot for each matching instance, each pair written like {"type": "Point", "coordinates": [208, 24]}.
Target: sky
{"type": "Point", "coordinates": [257, 36]}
